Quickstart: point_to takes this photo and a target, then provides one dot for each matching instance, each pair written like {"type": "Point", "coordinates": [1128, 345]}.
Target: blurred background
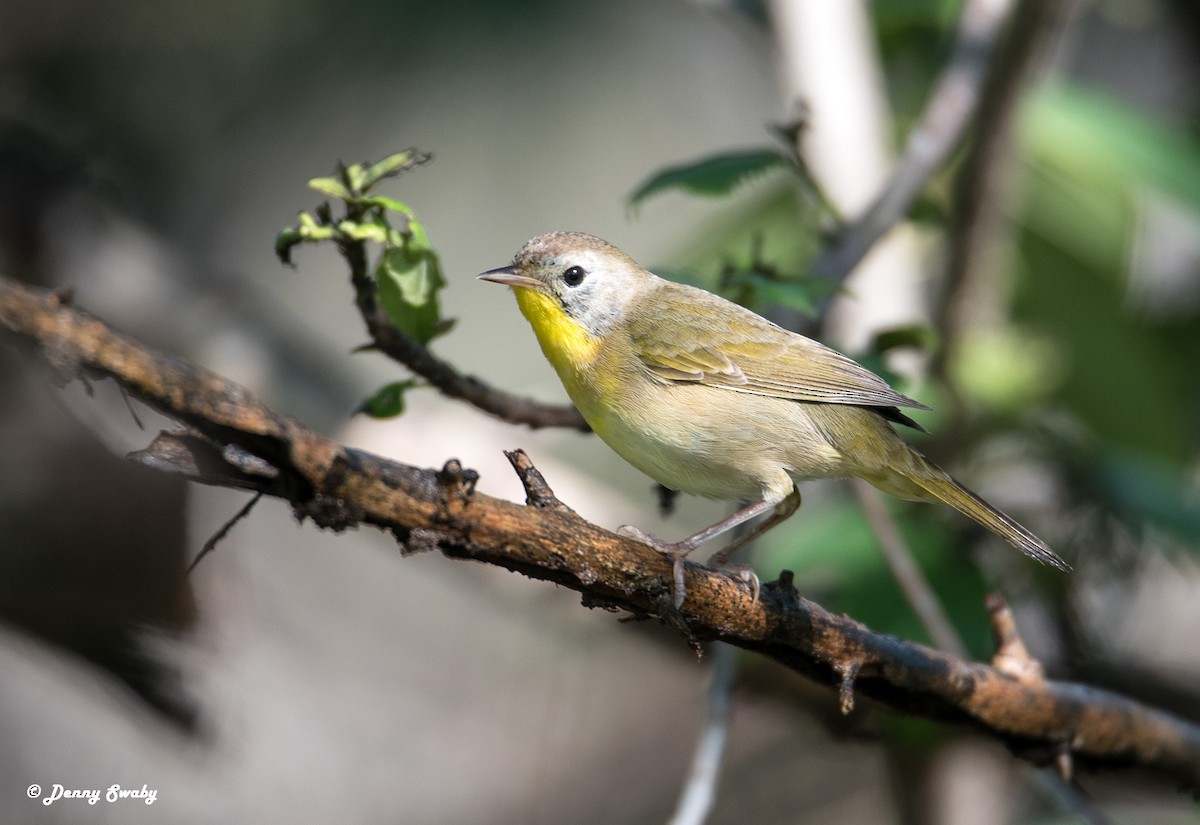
{"type": "Point", "coordinates": [149, 153]}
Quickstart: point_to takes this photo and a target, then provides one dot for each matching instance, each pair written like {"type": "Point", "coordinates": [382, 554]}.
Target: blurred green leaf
{"type": "Point", "coordinates": [308, 231]}
{"type": "Point", "coordinates": [410, 273]}
{"type": "Point", "coordinates": [1127, 384]}
{"type": "Point", "coordinates": [353, 176]}
{"type": "Point", "coordinates": [392, 165]}
{"type": "Point", "coordinates": [801, 295]}
{"type": "Point", "coordinates": [1092, 162]}
{"type": "Point", "coordinates": [768, 223]}
{"type": "Point", "coordinates": [330, 186]}
{"type": "Point", "coordinates": [716, 175]}
{"type": "Point", "coordinates": [285, 241]}
{"type": "Point", "coordinates": [388, 401]}
{"type": "Point", "coordinates": [911, 336]}
{"type": "Point", "coordinates": [1007, 369]}
{"type": "Point", "coordinates": [789, 294]}
{"type": "Point", "coordinates": [1144, 489]}
{"type": "Point", "coordinates": [1088, 132]}
{"type": "Point", "coordinates": [385, 202]}
{"type": "Point", "coordinates": [363, 231]}
{"type": "Point", "coordinates": [409, 278]}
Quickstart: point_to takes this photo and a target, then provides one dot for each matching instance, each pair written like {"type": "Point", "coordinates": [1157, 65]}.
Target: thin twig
{"type": "Point", "coordinates": [696, 800]}
{"type": "Point", "coordinates": [1066, 795]}
{"type": "Point", "coordinates": [916, 589]}
{"type": "Point", "coordinates": [700, 790]}
{"type": "Point", "coordinates": [212, 542]}
{"type": "Point", "coordinates": [450, 382]}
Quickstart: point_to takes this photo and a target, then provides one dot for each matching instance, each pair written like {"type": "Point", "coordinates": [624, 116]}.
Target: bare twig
{"type": "Point", "coordinates": [339, 487]}
{"type": "Point", "coordinates": [537, 491]}
{"type": "Point", "coordinates": [1067, 796]}
{"type": "Point", "coordinates": [1011, 656]}
{"type": "Point", "coordinates": [453, 384]}
{"type": "Point", "coordinates": [212, 542]}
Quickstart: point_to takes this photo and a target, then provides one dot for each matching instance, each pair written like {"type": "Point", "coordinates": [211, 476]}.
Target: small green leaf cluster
{"type": "Point", "coordinates": [405, 275]}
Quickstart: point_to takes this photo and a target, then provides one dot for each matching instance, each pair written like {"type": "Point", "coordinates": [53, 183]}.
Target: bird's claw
{"type": "Point", "coordinates": [745, 573]}
{"type": "Point", "coordinates": [676, 549]}
{"type": "Point", "coordinates": [678, 552]}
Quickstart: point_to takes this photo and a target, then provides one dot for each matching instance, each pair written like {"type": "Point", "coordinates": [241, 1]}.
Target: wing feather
{"type": "Point", "coordinates": [732, 348]}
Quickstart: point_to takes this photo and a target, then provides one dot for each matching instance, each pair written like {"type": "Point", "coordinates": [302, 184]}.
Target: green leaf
{"type": "Point", "coordinates": [330, 186]}
{"type": "Point", "coordinates": [1096, 166]}
{"type": "Point", "coordinates": [1007, 369]}
{"type": "Point", "coordinates": [765, 287]}
{"type": "Point", "coordinates": [408, 273]}
{"type": "Point", "coordinates": [363, 231]}
{"type": "Point", "coordinates": [310, 230]}
{"type": "Point", "coordinates": [409, 278]}
{"type": "Point", "coordinates": [354, 176]}
{"type": "Point", "coordinates": [287, 238]}
{"type": "Point", "coordinates": [388, 401]}
{"type": "Point", "coordinates": [420, 238]}
{"type": "Point", "coordinates": [393, 165]}
{"type": "Point", "coordinates": [716, 175]}
{"type": "Point", "coordinates": [384, 202]}
{"type": "Point", "coordinates": [915, 336]}
{"type": "Point", "coordinates": [800, 295]}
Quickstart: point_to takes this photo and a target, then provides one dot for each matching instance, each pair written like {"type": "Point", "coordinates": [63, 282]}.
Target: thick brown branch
{"type": "Point", "coordinates": [339, 487]}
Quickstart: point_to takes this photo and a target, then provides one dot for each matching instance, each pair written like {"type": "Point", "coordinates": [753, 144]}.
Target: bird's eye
{"type": "Point", "coordinates": [573, 276]}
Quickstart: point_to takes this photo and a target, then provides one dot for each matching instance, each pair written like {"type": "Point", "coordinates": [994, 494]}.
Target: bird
{"type": "Point", "coordinates": [709, 398]}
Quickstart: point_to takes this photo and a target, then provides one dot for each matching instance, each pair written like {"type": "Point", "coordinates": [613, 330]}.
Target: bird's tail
{"type": "Point", "coordinates": [938, 485]}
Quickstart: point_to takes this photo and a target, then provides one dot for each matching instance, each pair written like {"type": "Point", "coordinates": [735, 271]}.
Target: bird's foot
{"type": "Point", "coordinates": [678, 551]}
{"type": "Point", "coordinates": [720, 561]}
{"type": "Point", "coordinates": [745, 573]}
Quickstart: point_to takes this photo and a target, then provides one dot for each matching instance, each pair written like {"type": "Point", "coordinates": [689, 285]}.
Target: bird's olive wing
{"type": "Point", "coordinates": [721, 344]}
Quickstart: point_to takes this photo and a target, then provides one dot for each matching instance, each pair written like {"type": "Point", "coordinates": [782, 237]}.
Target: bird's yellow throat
{"type": "Point", "coordinates": [568, 346]}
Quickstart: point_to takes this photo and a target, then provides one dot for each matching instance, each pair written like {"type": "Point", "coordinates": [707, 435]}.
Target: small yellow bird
{"type": "Point", "coordinates": [706, 397]}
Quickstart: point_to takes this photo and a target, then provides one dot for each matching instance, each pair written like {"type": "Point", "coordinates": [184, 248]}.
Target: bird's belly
{"type": "Point", "coordinates": [717, 443]}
